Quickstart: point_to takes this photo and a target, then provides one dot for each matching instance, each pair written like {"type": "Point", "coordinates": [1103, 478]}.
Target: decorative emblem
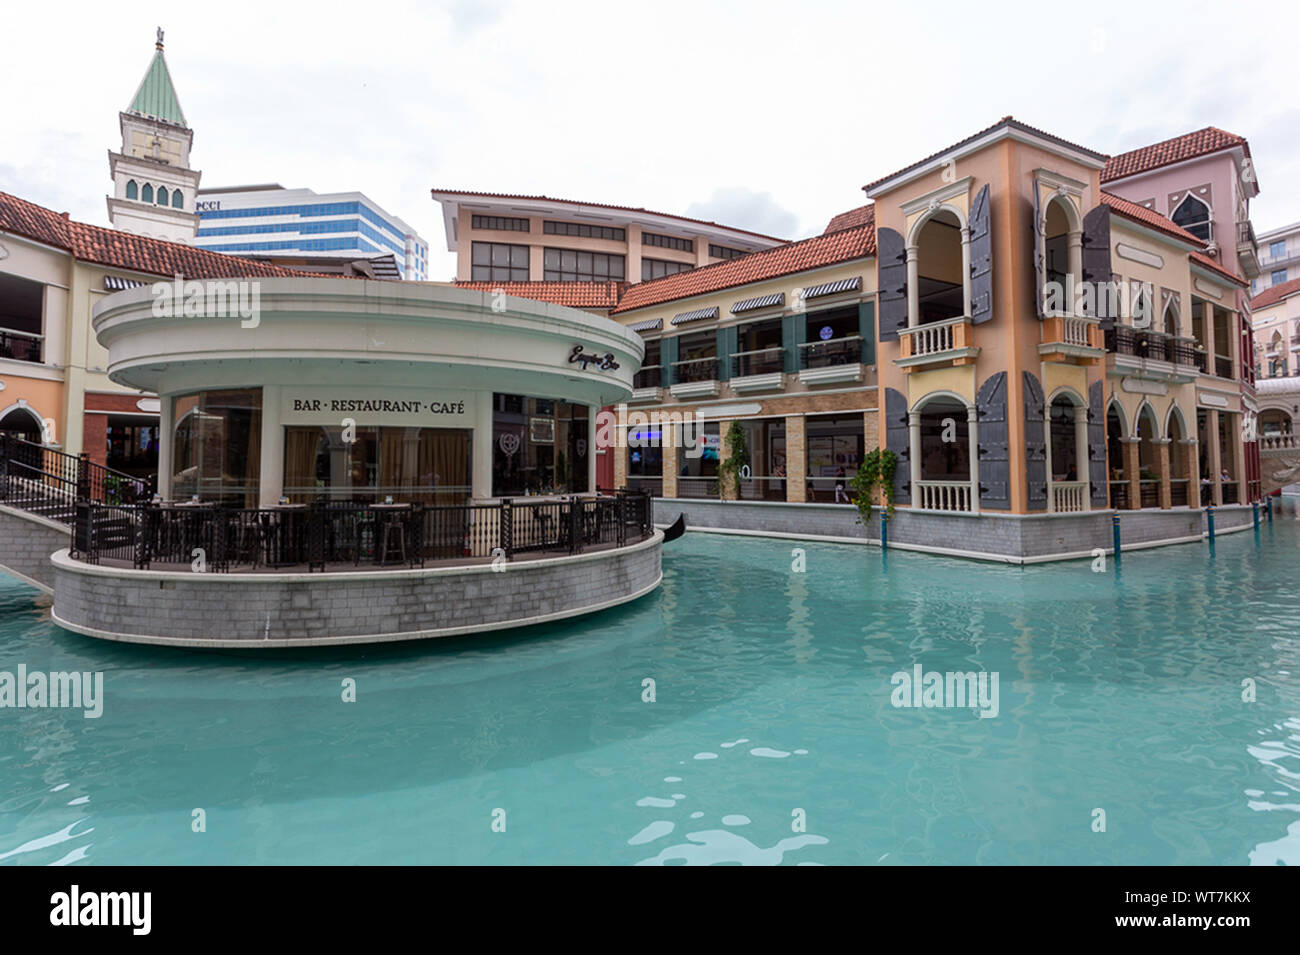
{"type": "Point", "coordinates": [509, 442]}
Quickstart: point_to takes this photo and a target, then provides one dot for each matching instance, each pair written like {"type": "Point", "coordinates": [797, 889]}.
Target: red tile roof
{"type": "Point", "coordinates": [1150, 219]}
{"type": "Point", "coordinates": [1203, 260]}
{"type": "Point", "coordinates": [1188, 146]}
{"type": "Point", "coordinates": [848, 220]}
{"type": "Point", "coordinates": [1008, 121]}
{"type": "Point", "coordinates": [817, 252]}
{"type": "Point", "coordinates": [599, 205]}
{"type": "Point", "coordinates": [135, 253]}
{"type": "Point", "coordinates": [1274, 294]}
{"type": "Point", "coordinates": [572, 294]}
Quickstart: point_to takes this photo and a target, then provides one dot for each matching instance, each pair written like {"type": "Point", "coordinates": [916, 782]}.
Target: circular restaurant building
{"type": "Point", "coordinates": [411, 440]}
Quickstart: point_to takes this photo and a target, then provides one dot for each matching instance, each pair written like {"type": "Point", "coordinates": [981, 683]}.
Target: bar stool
{"type": "Point", "coordinates": [392, 533]}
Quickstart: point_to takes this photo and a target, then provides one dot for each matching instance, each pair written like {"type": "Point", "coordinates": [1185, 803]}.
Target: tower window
{"type": "Point", "coordinates": [132, 190]}
{"type": "Point", "coordinates": [176, 200]}
{"type": "Point", "coordinates": [162, 195]}
{"type": "Point", "coordinates": [146, 194]}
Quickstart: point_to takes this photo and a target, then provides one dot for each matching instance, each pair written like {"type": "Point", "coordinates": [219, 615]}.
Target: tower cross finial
{"type": "Point", "coordinates": [158, 44]}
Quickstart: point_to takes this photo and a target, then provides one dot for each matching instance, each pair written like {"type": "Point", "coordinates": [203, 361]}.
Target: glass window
{"type": "Point", "coordinates": [162, 195]}
{"type": "Point", "coordinates": [722, 252]}
{"type": "Point", "coordinates": [177, 200]}
{"type": "Point", "coordinates": [584, 230]}
{"type": "Point", "coordinates": [146, 194]}
{"type": "Point", "coordinates": [667, 241]}
{"type": "Point", "coordinates": [698, 475]}
{"type": "Point", "coordinates": [1278, 276]}
{"type": "Point", "coordinates": [132, 445]}
{"type": "Point", "coordinates": [424, 465]}
{"type": "Point", "coordinates": [658, 268]}
{"type": "Point", "coordinates": [217, 446]}
{"type": "Point", "coordinates": [132, 190]}
{"type": "Point", "coordinates": [501, 223]}
{"type": "Point", "coordinates": [498, 262]}
{"type": "Point", "coordinates": [834, 453]}
{"type": "Point", "coordinates": [765, 442]}
{"type": "Point", "coordinates": [1277, 250]}
{"type": "Point", "coordinates": [539, 446]}
{"type": "Point", "coordinates": [1194, 216]}
{"type": "Point", "coordinates": [571, 265]}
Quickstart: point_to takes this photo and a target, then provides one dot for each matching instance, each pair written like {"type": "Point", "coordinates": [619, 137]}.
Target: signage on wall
{"type": "Point", "coordinates": [207, 205]}
{"type": "Point", "coordinates": [373, 406]}
{"type": "Point", "coordinates": [586, 359]}
{"type": "Point", "coordinates": [825, 333]}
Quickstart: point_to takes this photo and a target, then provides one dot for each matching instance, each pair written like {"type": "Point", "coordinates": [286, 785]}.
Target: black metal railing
{"type": "Point", "coordinates": [1178, 492]}
{"type": "Point", "coordinates": [1149, 493]}
{"type": "Point", "coordinates": [650, 376]}
{"type": "Point", "coordinates": [695, 369]}
{"type": "Point", "coordinates": [1186, 353]}
{"type": "Point", "coordinates": [211, 538]}
{"type": "Point", "coordinates": [764, 361]}
{"type": "Point", "coordinates": [20, 346]}
{"type": "Point", "coordinates": [835, 351]}
{"type": "Point", "coordinates": [1123, 340]}
{"type": "Point", "coordinates": [49, 482]}
{"type": "Point", "coordinates": [1223, 366]}
{"type": "Point", "coordinates": [1229, 489]}
{"type": "Point", "coordinates": [1119, 495]}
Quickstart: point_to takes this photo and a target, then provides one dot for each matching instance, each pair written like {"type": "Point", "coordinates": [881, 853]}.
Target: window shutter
{"type": "Point", "coordinates": [1035, 445]}
{"type": "Point", "coordinates": [1040, 252]}
{"type": "Point", "coordinates": [1097, 445]}
{"type": "Point", "coordinates": [981, 259]}
{"type": "Point", "coordinates": [790, 341]}
{"type": "Point", "coordinates": [994, 465]}
{"type": "Point", "coordinates": [867, 329]}
{"type": "Point", "coordinates": [897, 440]}
{"type": "Point", "coordinates": [667, 355]}
{"type": "Point", "coordinates": [891, 271]}
{"type": "Point", "coordinates": [1096, 264]}
{"type": "Point", "coordinates": [726, 347]}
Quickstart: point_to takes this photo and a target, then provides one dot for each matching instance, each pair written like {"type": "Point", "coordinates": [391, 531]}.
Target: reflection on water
{"type": "Point", "coordinates": [771, 738]}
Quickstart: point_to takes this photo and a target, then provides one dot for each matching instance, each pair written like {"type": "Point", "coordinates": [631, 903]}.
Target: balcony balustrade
{"type": "Point", "coordinates": [21, 346]}
{"type": "Point", "coordinates": [942, 495]}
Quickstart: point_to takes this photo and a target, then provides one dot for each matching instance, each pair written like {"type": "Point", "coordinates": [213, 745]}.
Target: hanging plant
{"type": "Point", "coordinates": [737, 459]}
{"type": "Point", "coordinates": [877, 470]}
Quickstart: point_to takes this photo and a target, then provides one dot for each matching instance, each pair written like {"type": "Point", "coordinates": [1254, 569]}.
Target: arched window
{"type": "Point", "coordinates": [176, 200]}
{"type": "Point", "coordinates": [162, 195]}
{"type": "Point", "coordinates": [1194, 216]}
{"type": "Point", "coordinates": [1171, 318]}
{"type": "Point", "coordinates": [146, 194]}
{"type": "Point", "coordinates": [132, 190]}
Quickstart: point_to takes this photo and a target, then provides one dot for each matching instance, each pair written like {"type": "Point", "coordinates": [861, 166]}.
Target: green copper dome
{"type": "Point", "coordinates": [156, 96]}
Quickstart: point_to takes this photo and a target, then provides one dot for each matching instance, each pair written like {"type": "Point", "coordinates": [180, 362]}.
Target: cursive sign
{"type": "Point", "coordinates": [603, 362]}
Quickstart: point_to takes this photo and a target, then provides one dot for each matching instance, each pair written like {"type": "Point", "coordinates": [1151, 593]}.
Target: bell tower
{"type": "Point", "coordinates": [153, 185]}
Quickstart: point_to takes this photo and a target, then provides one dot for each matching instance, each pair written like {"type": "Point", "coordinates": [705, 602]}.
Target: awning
{"type": "Point", "coordinates": [763, 301]}
{"type": "Point", "coordinates": [115, 284]}
{"type": "Point", "coordinates": [649, 325]}
{"type": "Point", "coordinates": [695, 316]}
{"type": "Point", "coordinates": [834, 288]}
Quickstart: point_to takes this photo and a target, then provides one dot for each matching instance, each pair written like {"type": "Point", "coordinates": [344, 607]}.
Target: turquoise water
{"type": "Point", "coordinates": [1117, 691]}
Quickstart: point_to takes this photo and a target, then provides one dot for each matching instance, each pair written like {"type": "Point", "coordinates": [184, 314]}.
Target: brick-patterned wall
{"type": "Point", "coordinates": [286, 610]}
{"type": "Point", "coordinates": [94, 437]}
{"type": "Point", "coordinates": [796, 460]}
{"type": "Point", "coordinates": [26, 543]}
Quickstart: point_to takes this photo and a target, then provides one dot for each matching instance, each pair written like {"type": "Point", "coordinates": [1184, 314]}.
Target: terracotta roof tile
{"type": "Point", "coordinates": [1203, 260]}
{"type": "Point", "coordinates": [1274, 294]}
{"type": "Point", "coordinates": [848, 220]}
{"type": "Point", "coordinates": [1150, 219]}
{"type": "Point", "coordinates": [822, 250]}
{"type": "Point", "coordinates": [1188, 146]}
{"type": "Point", "coordinates": [35, 222]}
{"type": "Point", "coordinates": [601, 205]}
{"type": "Point", "coordinates": [572, 294]}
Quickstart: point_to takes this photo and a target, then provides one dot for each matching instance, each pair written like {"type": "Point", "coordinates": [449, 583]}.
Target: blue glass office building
{"type": "Point", "coordinates": [269, 221]}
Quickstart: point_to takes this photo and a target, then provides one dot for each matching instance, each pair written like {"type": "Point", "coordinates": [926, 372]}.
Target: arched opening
{"type": "Point", "coordinates": [177, 200]}
{"type": "Point", "coordinates": [1193, 215]}
{"type": "Point", "coordinates": [1116, 432]}
{"type": "Point", "coordinates": [1176, 432]}
{"type": "Point", "coordinates": [1056, 250]}
{"type": "Point", "coordinates": [162, 195]}
{"type": "Point", "coordinates": [1274, 422]}
{"type": "Point", "coordinates": [941, 452]}
{"type": "Point", "coordinates": [1148, 433]}
{"type": "Point", "coordinates": [940, 289]}
{"type": "Point", "coordinates": [146, 194]}
{"type": "Point", "coordinates": [132, 190]}
{"type": "Point", "coordinates": [22, 422]}
{"type": "Point", "coordinates": [1276, 354]}
{"type": "Point", "coordinates": [1067, 449]}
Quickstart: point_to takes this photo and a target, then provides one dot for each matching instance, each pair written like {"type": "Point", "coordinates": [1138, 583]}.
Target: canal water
{"type": "Point", "coordinates": [745, 713]}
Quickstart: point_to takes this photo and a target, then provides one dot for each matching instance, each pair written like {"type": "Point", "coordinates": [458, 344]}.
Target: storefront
{"type": "Point", "coordinates": [361, 391]}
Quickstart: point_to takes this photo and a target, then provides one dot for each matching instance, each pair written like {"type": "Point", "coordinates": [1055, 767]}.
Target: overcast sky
{"type": "Point", "coordinates": [765, 116]}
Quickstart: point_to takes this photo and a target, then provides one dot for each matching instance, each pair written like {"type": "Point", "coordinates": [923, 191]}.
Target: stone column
{"type": "Point", "coordinates": [618, 448]}
{"type": "Point", "coordinates": [1207, 326]}
{"type": "Point", "coordinates": [592, 412]}
{"type": "Point", "coordinates": [271, 471]}
{"type": "Point", "coordinates": [728, 486]}
{"type": "Point", "coordinates": [965, 270]}
{"type": "Point", "coordinates": [1193, 473]}
{"type": "Point", "coordinates": [973, 438]}
{"type": "Point", "coordinates": [796, 460]}
{"type": "Point", "coordinates": [1074, 261]}
{"type": "Point", "coordinates": [871, 441]}
{"type": "Point", "coordinates": [1216, 458]}
{"type": "Point", "coordinates": [1082, 469]}
{"type": "Point", "coordinates": [481, 446]}
{"type": "Point", "coordinates": [1133, 469]}
{"type": "Point", "coordinates": [166, 434]}
{"type": "Point", "coordinates": [913, 280]}
{"type": "Point", "coordinates": [1238, 460]}
{"type": "Point", "coordinates": [672, 461]}
{"type": "Point", "coordinates": [1166, 489]}
{"type": "Point", "coordinates": [914, 453]}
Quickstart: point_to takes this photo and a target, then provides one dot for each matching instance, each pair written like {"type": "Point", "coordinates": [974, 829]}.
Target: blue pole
{"type": "Point", "coordinates": [1254, 508]}
{"type": "Point", "coordinates": [884, 529]}
{"type": "Point", "coordinates": [1268, 506]}
{"type": "Point", "coordinates": [1114, 527]}
{"type": "Point", "coordinates": [1209, 519]}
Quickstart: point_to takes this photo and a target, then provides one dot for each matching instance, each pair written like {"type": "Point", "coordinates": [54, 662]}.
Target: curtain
{"type": "Point", "coordinates": [444, 465]}
{"type": "Point", "coordinates": [300, 445]}
{"type": "Point", "coordinates": [253, 459]}
{"type": "Point", "coordinates": [392, 443]}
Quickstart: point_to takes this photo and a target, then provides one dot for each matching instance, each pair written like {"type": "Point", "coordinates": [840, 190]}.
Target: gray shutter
{"type": "Point", "coordinates": [1096, 261]}
{"type": "Point", "coordinates": [994, 463]}
{"type": "Point", "coordinates": [790, 341]}
{"type": "Point", "coordinates": [1040, 253]}
{"type": "Point", "coordinates": [891, 274]}
{"type": "Point", "coordinates": [897, 440]}
{"type": "Point", "coordinates": [1097, 446]}
{"type": "Point", "coordinates": [1035, 443]}
{"type": "Point", "coordinates": [667, 355]}
{"type": "Point", "coordinates": [867, 329]}
{"type": "Point", "coordinates": [726, 348]}
{"type": "Point", "coordinates": [981, 259]}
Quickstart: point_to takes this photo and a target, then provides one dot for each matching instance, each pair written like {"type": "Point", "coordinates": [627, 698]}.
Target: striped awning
{"type": "Point", "coordinates": [763, 301]}
{"type": "Point", "coordinates": [684, 317]}
{"type": "Point", "coordinates": [834, 288]}
{"type": "Point", "coordinates": [116, 284]}
{"type": "Point", "coordinates": [649, 325]}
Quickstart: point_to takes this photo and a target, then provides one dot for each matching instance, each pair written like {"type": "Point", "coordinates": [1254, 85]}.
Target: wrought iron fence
{"type": "Point", "coordinates": [49, 482]}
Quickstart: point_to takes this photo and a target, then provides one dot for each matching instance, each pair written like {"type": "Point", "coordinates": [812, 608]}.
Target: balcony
{"type": "Point", "coordinates": [831, 361]}
{"type": "Point", "coordinates": [647, 384]}
{"type": "Point", "coordinates": [941, 495]}
{"type": "Point", "coordinates": [1184, 352]}
{"type": "Point", "coordinates": [937, 343]}
{"type": "Point", "coordinates": [695, 378]}
{"type": "Point", "coordinates": [1247, 249]}
{"type": "Point", "coordinates": [1149, 355]}
{"type": "Point", "coordinates": [1069, 497]}
{"type": "Point", "coordinates": [1071, 339]}
{"type": "Point", "coordinates": [1223, 367]}
{"type": "Point", "coordinates": [759, 370]}
{"type": "Point", "coordinates": [21, 346]}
